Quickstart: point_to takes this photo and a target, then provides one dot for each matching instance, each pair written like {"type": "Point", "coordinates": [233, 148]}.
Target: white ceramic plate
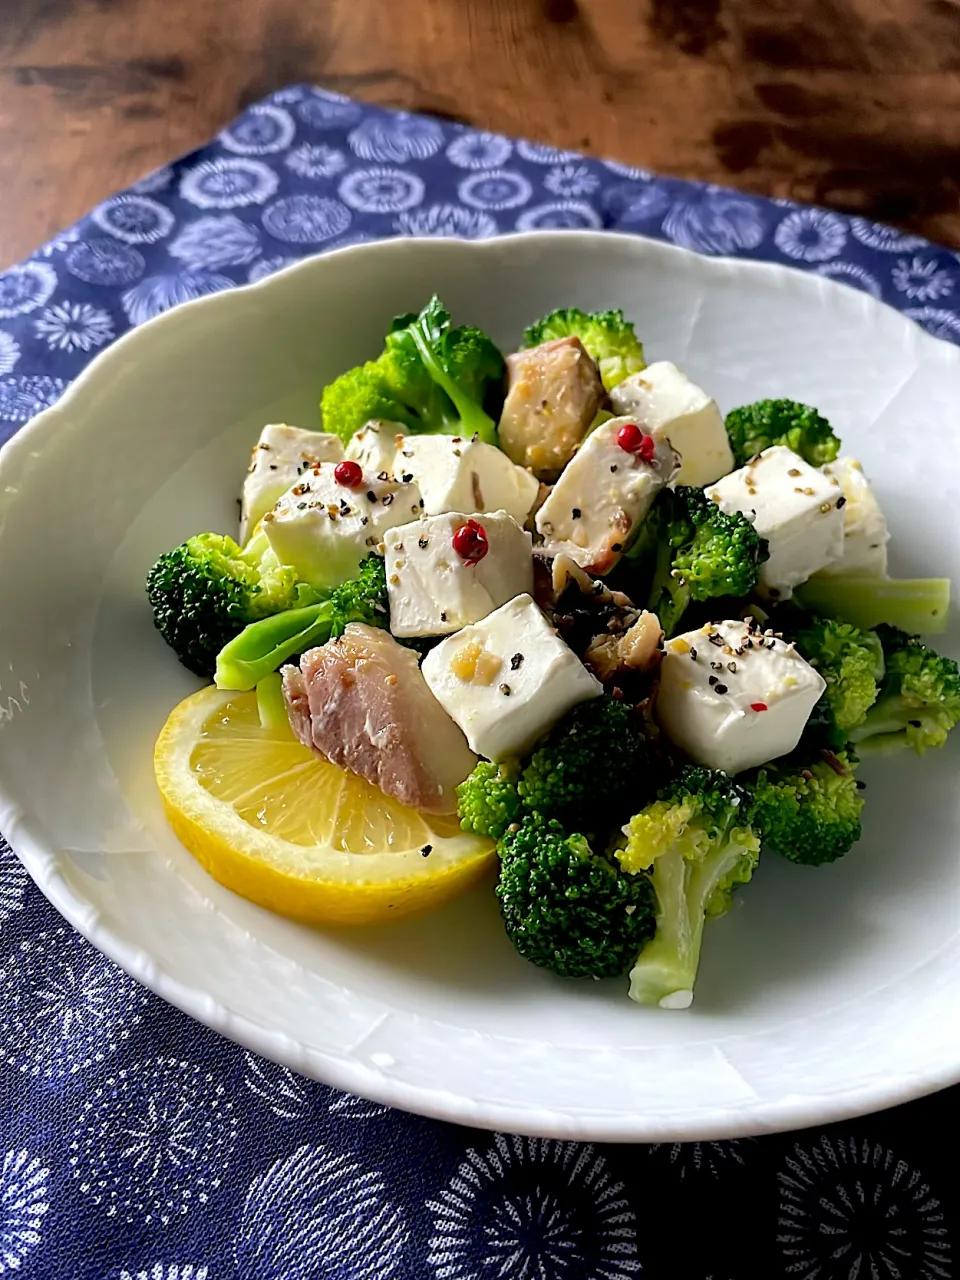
{"type": "Point", "coordinates": [825, 994]}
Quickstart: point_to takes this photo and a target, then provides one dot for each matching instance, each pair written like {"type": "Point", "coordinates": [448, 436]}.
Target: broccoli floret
{"type": "Point", "coordinates": [759, 426]}
{"type": "Point", "coordinates": [359, 396]}
{"type": "Point", "coordinates": [592, 767]}
{"type": "Point", "coordinates": [568, 909]}
{"type": "Point", "coordinates": [607, 336]}
{"type": "Point", "coordinates": [809, 815]}
{"type": "Point", "coordinates": [262, 646]}
{"type": "Point", "coordinates": [698, 843]}
{"type": "Point", "coordinates": [919, 701]}
{"type": "Point", "coordinates": [851, 661]}
{"type": "Point", "coordinates": [690, 550]}
{"type": "Point", "coordinates": [488, 801]}
{"type": "Point", "coordinates": [429, 377]}
{"type": "Point", "coordinates": [204, 592]}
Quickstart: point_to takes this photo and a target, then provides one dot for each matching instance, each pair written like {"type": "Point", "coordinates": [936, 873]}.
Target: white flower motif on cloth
{"type": "Point", "coordinates": [852, 1210]}
{"type": "Point", "coordinates": [154, 1141]}
{"type": "Point", "coordinates": [479, 150]}
{"type": "Point", "coordinates": [317, 1212]}
{"type": "Point", "coordinates": [811, 235]}
{"type": "Point", "coordinates": [853, 274]}
{"type": "Point", "coordinates": [106, 262]}
{"type": "Point", "coordinates": [59, 243]}
{"type": "Point", "coordinates": [157, 294]}
{"type": "Point", "coordinates": [25, 287]}
{"type": "Point", "coordinates": [348, 1107]}
{"type": "Point", "coordinates": [65, 1007]}
{"type": "Point", "coordinates": [888, 240]}
{"type": "Point", "coordinates": [690, 1159]}
{"type": "Point", "coordinates": [447, 221]}
{"type": "Point", "coordinates": [495, 189]}
{"type": "Point", "coordinates": [13, 881]}
{"type": "Point", "coordinates": [286, 1094]}
{"type": "Point", "coordinates": [396, 139]}
{"type": "Point", "coordinates": [156, 180]}
{"type": "Point", "coordinates": [715, 221]}
{"type": "Point", "coordinates": [532, 1209]}
{"type": "Point", "coordinates": [381, 190]}
{"type": "Point", "coordinates": [632, 202]}
{"type": "Point", "coordinates": [305, 219]}
{"type": "Point", "coordinates": [627, 170]}
{"type": "Point", "coordinates": [267, 266]}
{"type": "Point", "coordinates": [324, 110]}
{"type": "Point", "coordinates": [571, 180]}
{"type": "Point", "coordinates": [314, 160]}
{"type": "Point", "coordinates": [23, 1206]}
{"type": "Point", "coordinates": [166, 1271]}
{"type": "Point", "coordinates": [540, 153]}
{"type": "Point", "coordinates": [347, 242]}
{"type": "Point", "coordinates": [24, 395]}
{"type": "Point", "coordinates": [9, 352]}
{"type": "Point", "coordinates": [937, 321]}
{"type": "Point", "coordinates": [134, 219]}
{"type": "Point", "coordinates": [559, 214]}
{"type": "Point", "coordinates": [922, 279]}
{"type": "Point", "coordinates": [260, 131]}
{"type": "Point", "coordinates": [231, 183]}
{"type": "Point", "coordinates": [74, 326]}
{"type": "Point", "coordinates": [292, 94]}
{"type": "Point", "coordinates": [218, 240]}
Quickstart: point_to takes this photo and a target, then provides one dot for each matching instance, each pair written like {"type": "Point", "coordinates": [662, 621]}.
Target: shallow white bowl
{"type": "Point", "coordinates": [825, 994]}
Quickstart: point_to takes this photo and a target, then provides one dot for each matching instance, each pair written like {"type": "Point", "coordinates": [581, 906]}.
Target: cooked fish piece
{"type": "Point", "coordinates": [553, 394]}
{"type": "Point", "coordinates": [360, 702]}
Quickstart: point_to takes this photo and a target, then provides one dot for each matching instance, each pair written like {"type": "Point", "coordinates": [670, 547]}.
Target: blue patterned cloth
{"type": "Point", "coordinates": [137, 1145]}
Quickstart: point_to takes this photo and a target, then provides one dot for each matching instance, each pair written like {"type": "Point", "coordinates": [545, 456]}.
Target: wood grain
{"type": "Point", "coordinates": [849, 103]}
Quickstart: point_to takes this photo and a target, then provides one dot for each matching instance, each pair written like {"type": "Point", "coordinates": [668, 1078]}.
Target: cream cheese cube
{"type": "Point", "coordinates": [375, 446]}
{"type": "Point", "coordinates": [792, 505]}
{"type": "Point", "coordinates": [733, 697]}
{"type": "Point", "coordinates": [456, 474]}
{"type": "Point", "coordinates": [602, 497]}
{"type": "Point", "coordinates": [508, 679]}
{"type": "Point", "coordinates": [279, 458]}
{"type": "Point", "coordinates": [433, 592]}
{"type": "Point", "coordinates": [865, 533]}
{"type": "Point", "coordinates": [324, 529]}
{"type": "Point", "coordinates": [668, 405]}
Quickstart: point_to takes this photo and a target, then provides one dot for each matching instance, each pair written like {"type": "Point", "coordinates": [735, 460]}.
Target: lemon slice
{"type": "Point", "coordinates": [278, 825]}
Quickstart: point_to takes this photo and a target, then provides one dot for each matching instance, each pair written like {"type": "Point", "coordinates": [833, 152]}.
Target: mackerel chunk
{"type": "Point", "coordinates": [360, 702]}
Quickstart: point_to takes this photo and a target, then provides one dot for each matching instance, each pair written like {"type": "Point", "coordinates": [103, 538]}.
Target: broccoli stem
{"type": "Point", "coordinates": [262, 646]}
{"type": "Point", "coordinates": [919, 606]}
{"type": "Point", "coordinates": [475, 421]}
{"type": "Point", "coordinates": [666, 969]}
{"type": "Point", "coordinates": [271, 705]}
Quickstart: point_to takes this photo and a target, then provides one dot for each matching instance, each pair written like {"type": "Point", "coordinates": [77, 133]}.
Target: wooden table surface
{"type": "Point", "coordinates": [848, 103]}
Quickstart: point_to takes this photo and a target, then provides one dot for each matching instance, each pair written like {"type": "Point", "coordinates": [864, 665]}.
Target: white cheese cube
{"type": "Point", "coordinates": [434, 592]}
{"type": "Point", "coordinates": [793, 506]}
{"type": "Point", "coordinates": [865, 533]}
{"type": "Point", "coordinates": [324, 529]}
{"type": "Point", "coordinates": [667, 404]}
{"type": "Point", "coordinates": [508, 679]}
{"type": "Point", "coordinates": [375, 446]}
{"type": "Point", "coordinates": [602, 497]}
{"type": "Point", "coordinates": [732, 697]}
{"type": "Point", "coordinates": [279, 458]}
{"type": "Point", "coordinates": [455, 474]}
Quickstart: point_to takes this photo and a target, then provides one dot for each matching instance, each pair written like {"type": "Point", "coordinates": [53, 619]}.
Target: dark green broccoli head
{"type": "Point", "coordinates": [204, 592]}
{"type": "Point", "coordinates": [690, 550]}
{"type": "Point", "coordinates": [593, 768]}
{"type": "Point", "coordinates": [567, 909]}
{"type": "Point", "coordinates": [851, 661]}
{"type": "Point", "coordinates": [363, 598]}
{"type": "Point", "coordinates": [809, 815]}
{"type": "Point", "coordinates": [359, 396]}
{"type": "Point", "coordinates": [607, 336]}
{"type": "Point", "coordinates": [919, 700]}
{"type": "Point", "coordinates": [765, 423]}
{"type": "Point", "coordinates": [488, 801]}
